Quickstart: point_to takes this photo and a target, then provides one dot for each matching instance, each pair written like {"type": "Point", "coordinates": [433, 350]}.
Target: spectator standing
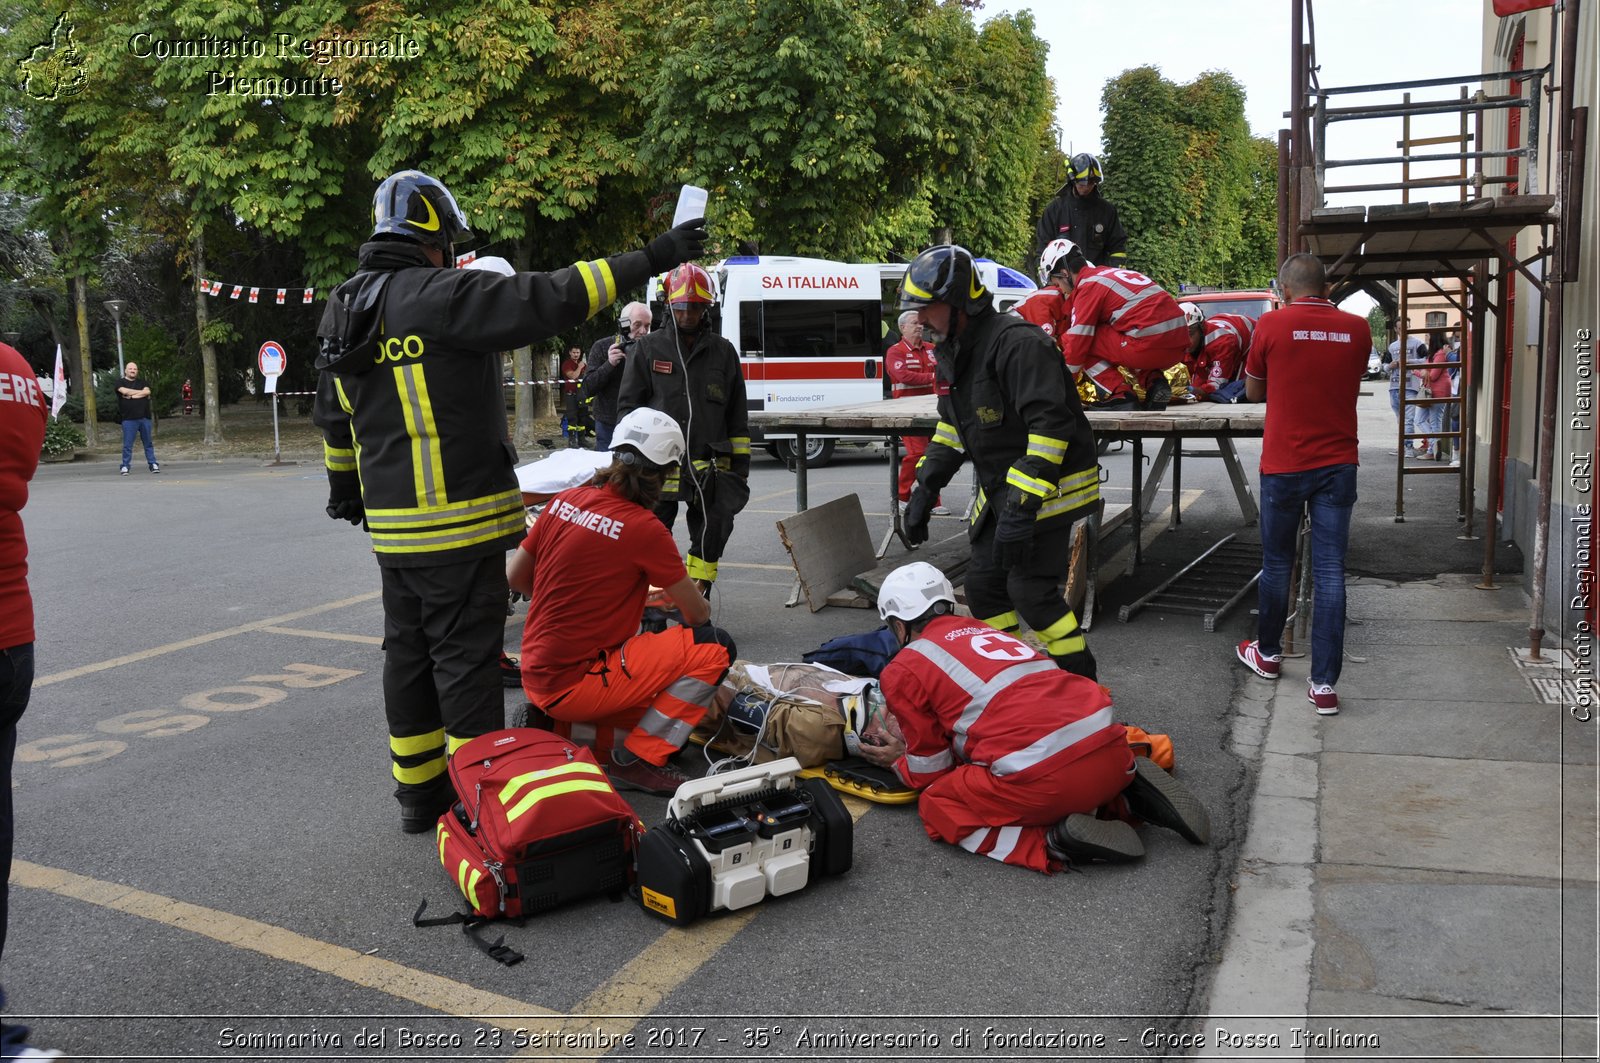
{"type": "Point", "coordinates": [1306, 361]}
{"type": "Point", "coordinates": [411, 367]}
{"type": "Point", "coordinates": [188, 397]}
{"type": "Point", "coordinates": [909, 367]}
{"type": "Point", "coordinates": [133, 403]}
{"type": "Point", "coordinates": [23, 412]}
{"type": "Point", "coordinates": [693, 375]}
{"type": "Point", "coordinates": [1006, 401]}
{"type": "Point", "coordinates": [1411, 378]}
{"type": "Point", "coordinates": [572, 409]}
{"type": "Point", "coordinates": [1079, 213]}
{"type": "Point", "coordinates": [603, 370]}
{"type": "Point", "coordinates": [1013, 756]}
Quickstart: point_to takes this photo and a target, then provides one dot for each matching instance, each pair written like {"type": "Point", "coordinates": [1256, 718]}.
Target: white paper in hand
{"type": "Point", "coordinates": [691, 205]}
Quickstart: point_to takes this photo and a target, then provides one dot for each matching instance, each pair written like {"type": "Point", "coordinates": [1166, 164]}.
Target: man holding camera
{"type": "Point", "coordinates": [602, 377]}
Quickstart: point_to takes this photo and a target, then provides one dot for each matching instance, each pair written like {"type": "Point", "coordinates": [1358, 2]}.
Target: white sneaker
{"type": "Point", "coordinates": [155, 466]}
{"type": "Point", "coordinates": [124, 470]}
{"type": "Point", "coordinates": [940, 511]}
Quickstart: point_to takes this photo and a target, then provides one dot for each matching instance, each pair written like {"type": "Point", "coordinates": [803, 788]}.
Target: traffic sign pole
{"type": "Point", "coordinates": [272, 362]}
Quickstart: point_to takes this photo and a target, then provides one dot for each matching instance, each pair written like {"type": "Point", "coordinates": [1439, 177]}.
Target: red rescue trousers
{"type": "Point", "coordinates": [1006, 820]}
{"type": "Point", "coordinates": [1147, 353]}
{"type": "Point", "coordinates": [916, 446]}
{"type": "Point", "coordinates": [657, 687]}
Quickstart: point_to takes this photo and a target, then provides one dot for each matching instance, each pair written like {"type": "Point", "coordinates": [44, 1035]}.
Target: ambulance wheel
{"type": "Point", "coordinates": [818, 452]}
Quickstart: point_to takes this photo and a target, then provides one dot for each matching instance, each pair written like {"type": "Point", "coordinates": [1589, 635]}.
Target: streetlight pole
{"type": "Point", "coordinates": [117, 306]}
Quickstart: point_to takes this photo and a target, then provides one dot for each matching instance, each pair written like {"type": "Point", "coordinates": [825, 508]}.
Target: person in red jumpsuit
{"type": "Point", "coordinates": [586, 566]}
{"type": "Point", "coordinates": [1120, 318]}
{"type": "Point", "coordinates": [1014, 756]}
{"type": "Point", "coordinates": [909, 367]}
{"type": "Point", "coordinates": [1217, 347]}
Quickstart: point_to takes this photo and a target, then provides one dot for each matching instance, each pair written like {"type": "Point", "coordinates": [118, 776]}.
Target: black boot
{"type": "Point", "coordinates": [1156, 797]}
{"type": "Point", "coordinates": [1082, 838]}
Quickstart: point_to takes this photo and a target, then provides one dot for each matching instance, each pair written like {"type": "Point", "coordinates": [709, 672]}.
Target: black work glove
{"type": "Point", "coordinates": [344, 497]}
{"type": "Point", "coordinates": [1080, 663]}
{"type": "Point", "coordinates": [1013, 537]}
{"type": "Point", "coordinates": [679, 244]}
{"type": "Point", "coordinates": [914, 521]}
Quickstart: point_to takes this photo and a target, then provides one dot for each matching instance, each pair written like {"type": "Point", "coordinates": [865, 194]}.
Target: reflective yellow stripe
{"type": "Point", "coordinates": [344, 400]}
{"type": "Point", "coordinates": [1052, 450]}
{"type": "Point", "coordinates": [442, 836]}
{"type": "Point", "coordinates": [449, 513]}
{"type": "Point", "coordinates": [1070, 500]}
{"type": "Point", "coordinates": [913, 290]}
{"type": "Point", "coordinates": [467, 878]}
{"type": "Point", "coordinates": [427, 466]}
{"type": "Point", "coordinates": [978, 505]}
{"type": "Point", "coordinates": [412, 745]}
{"type": "Point", "coordinates": [1067, 625]}
{"type": "Point", "coordinates": [700, 569]}
{"type": "Point", "coordinates": [741, 444]}
{"type": "Point", "coordinates": [556, 789]}
{"type": "Point", "coordinates": [338, 459]}
{"type": "Point", "coordinates": [516, 784]}
{"type": "Point", "coordinates": [467, 535]}
{"type": "Point", "coordinates": [1062, 647]}
{"type": "Point", "coordinates": [421, 773]}
{"type": "Point", "coordinates": [1005, 621]}
{"type": "Point", "coordinates": [946, 435]}
{"type": "Point", "coordinates": [453, 743]}
{"type": "Point", "coordinates": [1031, 484]}
{"type": "Point", "coordinates": [598, 282]}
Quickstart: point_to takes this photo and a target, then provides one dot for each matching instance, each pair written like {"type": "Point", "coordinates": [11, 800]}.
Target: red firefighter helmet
{"type": "Point", "coordinates": [689, 285]}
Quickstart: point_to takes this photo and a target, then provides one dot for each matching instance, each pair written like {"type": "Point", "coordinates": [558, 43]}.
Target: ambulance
{"type": "Point", "coordinates": [812, 333]}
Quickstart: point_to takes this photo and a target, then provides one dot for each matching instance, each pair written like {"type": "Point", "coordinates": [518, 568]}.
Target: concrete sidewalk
{"type": "Point", "coordinates": [1419, 875]}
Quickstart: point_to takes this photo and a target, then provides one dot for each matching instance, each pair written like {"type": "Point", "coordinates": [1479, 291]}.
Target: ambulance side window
{"type": "Point", "coordinates": [752, 338]}
{"type": "Point", "coordinates": [821, 329]}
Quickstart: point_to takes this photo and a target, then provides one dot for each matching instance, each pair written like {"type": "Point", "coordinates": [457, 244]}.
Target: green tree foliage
{"type": "Point", "coordinates": [1196, 192]}
{"type": "Point", "coordinates": [853, 130]}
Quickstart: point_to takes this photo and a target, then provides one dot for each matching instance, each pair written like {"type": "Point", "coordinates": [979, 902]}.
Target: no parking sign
{"type": "Point", "coordinates": [272, 361]}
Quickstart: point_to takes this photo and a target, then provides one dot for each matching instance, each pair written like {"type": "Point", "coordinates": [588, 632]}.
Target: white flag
{"type": "Point", "coordinates": [58, 390]}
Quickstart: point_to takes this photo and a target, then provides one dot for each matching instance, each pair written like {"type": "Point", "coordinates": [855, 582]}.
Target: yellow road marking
{"type": "Point", "coordinates": [370, 640]}
{"type": "Point", "coordinates": [666, 963]}
{"type": "Point", "coordinates": [201, 640]}
{"type": "Point", "coordinates": [386, 976]}
{"type": "Point", "coordinates": [616, 1006]}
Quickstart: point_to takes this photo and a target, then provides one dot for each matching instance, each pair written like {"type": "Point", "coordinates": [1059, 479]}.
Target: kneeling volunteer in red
{"type": "Point", "coordinates": [587, 565]}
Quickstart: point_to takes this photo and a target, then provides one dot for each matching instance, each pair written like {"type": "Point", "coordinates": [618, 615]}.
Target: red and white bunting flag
{"type": "Point", "coordinates": [463, 259]}
{"type": "Point", "coordinates": [58, 388]}
{"type": "Point", "coordinates": [281, 293]}
{"type": "Point", "coordinates": [215, 289]}
{"type": "Point", "coordinates": [205, 285]}
{"type": "Point", "coordinates": [238, 290]}
{"type": "Point", "coordinates": [255, 294]}
{"type": "Point", "coordinates": [309, 291]}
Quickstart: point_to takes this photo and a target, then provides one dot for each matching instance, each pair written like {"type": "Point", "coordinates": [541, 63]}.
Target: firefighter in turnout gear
{"type": "Point", "coordinates": [691, 374]}
{"type": "Point", "coordinates": [1081, 214]}
{"type": "Point", "coordinates": [1013, 756]}
{"type": "Point", "coordinates": [410, 403]}
{"type": "Point", "coordinates": [1006, 402]}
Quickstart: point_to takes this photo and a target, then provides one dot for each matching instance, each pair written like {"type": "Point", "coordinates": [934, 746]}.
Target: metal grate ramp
{"type": "Point", "coordinates": [1208, 587]}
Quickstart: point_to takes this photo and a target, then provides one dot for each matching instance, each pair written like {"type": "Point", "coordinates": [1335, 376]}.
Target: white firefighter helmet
{"type": "Point", "coordinates": [911, 590]}
{"type": "Point", "coordinates": [656, 437]}
{"type": "Point", "coordinates": [1192, 314]}
{"type": "Point", "coordinates": [1053, 258]}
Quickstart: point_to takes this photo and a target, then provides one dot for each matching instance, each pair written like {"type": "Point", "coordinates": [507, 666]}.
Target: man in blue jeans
{"type": "Point", "coordinates": [133, 402]}
{"type": "Point", "coordinates": [1306, 361]}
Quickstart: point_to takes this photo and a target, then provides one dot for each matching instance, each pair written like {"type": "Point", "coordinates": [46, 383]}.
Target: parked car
{"type": "Point", "coordinates": [1375, 368]}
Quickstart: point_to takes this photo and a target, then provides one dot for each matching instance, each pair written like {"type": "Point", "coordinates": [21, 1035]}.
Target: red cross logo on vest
{"type": "Point", "coordinates": [999, 647]}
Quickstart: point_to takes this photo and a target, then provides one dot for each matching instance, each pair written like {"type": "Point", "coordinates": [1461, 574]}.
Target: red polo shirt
{"type": "Point", "coordinates": [1312, 355]}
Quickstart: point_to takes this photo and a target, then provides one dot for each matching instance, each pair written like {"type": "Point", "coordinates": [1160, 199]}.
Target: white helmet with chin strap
{"type": "Point", "coordinates": [656, 437]}
{"type": "Point", "coordinates": [1192, 314]}
{"type": "Point", "coordinates": [911, 590]}
{"type": "Point", "coordinates": [1054, 257]}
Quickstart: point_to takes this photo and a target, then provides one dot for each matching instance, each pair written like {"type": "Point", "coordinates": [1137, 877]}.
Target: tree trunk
{"type": "Point", "coordinates": [80, 299]}
{"type": "Point", "coordinates": [522, 363]}
{"type": "Point", "coordinates": [209, 389]}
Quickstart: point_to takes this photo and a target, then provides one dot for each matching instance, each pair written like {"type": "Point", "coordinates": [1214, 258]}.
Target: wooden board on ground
{"type": "Point", "coordinates": [949, 556]}
{"type": "Point", "coordinates": [828, 544]}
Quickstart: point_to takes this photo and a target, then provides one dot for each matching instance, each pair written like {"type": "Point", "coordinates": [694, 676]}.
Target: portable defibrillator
{"type": "Point", "coordinates": [732, 839]}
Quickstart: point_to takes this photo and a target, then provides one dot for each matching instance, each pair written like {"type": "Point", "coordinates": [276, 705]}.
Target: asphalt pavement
{"type": "Point", "coordinates": [209, 863]}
